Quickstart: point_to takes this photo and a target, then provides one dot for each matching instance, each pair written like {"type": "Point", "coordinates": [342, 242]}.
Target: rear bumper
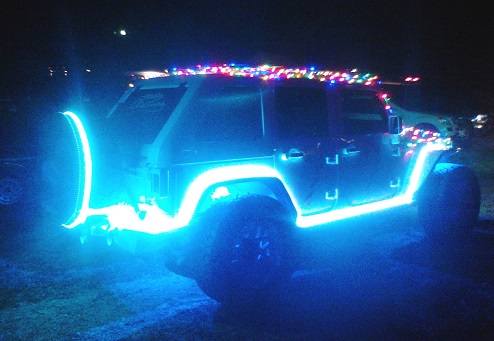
{"type": "Point", "coordinates": [136, 242]}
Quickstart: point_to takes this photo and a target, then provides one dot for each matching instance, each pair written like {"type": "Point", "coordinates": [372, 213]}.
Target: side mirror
{"type": "Point", "coordinates": [395, 125]}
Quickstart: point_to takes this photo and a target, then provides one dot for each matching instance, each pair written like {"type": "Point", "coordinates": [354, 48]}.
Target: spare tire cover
{"type": "Point", "coordinates": [64, 168]}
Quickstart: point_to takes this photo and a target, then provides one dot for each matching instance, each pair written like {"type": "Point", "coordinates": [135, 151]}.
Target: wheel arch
{"type": "Point", "coordinates": [230, 190]}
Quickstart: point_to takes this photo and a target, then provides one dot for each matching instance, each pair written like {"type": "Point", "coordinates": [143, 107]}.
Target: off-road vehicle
{"type": "Point", "coordinates": [221, 165]}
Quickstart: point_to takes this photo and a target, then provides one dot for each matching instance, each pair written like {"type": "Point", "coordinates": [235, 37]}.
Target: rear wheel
{"type": "Point", "coordinates": [449, 201]}
{"type": "Point", "coordinates": [246, 250]}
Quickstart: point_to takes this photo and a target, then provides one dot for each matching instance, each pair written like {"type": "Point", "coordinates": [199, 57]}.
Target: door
{"type": "Point", "coordinates": [305, 153]}
{"type": "Point", "coordinates": [370, 164]}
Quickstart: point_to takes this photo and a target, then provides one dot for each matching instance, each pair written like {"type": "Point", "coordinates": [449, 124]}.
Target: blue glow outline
{"type": "Point", "coordinates": [160, 221]}
{"type": "Point", "coordinates": [228, 173]}
{"type": "Point", "coordinates": [81, 138]}
{"type": "Point", "coordinates": [404, 199]}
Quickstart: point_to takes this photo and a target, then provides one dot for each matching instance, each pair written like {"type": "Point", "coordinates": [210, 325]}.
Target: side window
{"type": "Point", "coordinates": [145, 112]}
{"type": "Point", "coordinates": [301, 112]}
{"type": "Point", "coordinates": [363, 113]}
{"type": "Point", "coordinates": [232, 115]}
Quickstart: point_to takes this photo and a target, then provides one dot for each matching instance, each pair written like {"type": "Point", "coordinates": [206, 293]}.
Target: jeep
{"type": "Point", "coordinates": [221, 165]}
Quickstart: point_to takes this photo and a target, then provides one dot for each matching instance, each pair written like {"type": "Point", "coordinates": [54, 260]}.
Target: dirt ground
{"type": "Point", "coordinates": [386, 283]}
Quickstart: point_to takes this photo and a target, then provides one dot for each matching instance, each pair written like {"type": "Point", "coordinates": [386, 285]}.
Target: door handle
{"type": "Point", "coordinates": [351, 150]}
{"type": "Point", "coordinates": [294, 153]}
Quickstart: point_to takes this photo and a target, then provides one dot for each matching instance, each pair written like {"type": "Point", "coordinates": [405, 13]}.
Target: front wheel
{"type": "Point", "coordinates": [247, 250]}
{"type": "Point", "coordinates": [449, 201]}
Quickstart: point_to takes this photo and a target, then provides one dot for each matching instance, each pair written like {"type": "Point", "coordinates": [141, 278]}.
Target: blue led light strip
{"type": "Point", "coordinates": [85, 169]}
{"type": "Point", "coordinates": [203, 181]}
{"type": "Point", "coordinates": [124, 217]}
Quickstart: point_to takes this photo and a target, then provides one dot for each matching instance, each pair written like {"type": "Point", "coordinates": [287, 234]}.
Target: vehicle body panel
{"type": "Point", "coordinates": [180, 144]}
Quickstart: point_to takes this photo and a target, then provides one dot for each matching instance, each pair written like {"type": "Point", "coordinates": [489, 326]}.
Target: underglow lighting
{"type": "Point", "coordinates": [86, 168]}
{"type": "Point", "coordinates": [157, 221]}
{"type": "Point", "coordinates": [349, 212]}
{"type": "Point", "coordinates": [404, 199]}
{"type": "Point", "coordinates": [125, 217]}
{"type": "Point", "coordinates": [228, 173]}
{"type": "Point", "coordinates": [217, 175]}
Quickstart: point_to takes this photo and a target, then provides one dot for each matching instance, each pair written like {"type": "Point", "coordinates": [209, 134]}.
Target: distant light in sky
{"type": "Point", "coordinates": [120, 32]}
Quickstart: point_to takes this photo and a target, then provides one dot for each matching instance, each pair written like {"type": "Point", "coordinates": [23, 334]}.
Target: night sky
{"type": "Point", "coordinates": [391, 38]}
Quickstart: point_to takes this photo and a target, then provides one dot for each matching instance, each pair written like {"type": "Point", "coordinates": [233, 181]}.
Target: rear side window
{"type": "Point", "coordinates": [363, 113]}
{"type": "Point", "coordinates": [140, 118]}
{"type": "Point", "coordinates": [235, 114]}
{"type": "Point", "coordinates": [301, 112]}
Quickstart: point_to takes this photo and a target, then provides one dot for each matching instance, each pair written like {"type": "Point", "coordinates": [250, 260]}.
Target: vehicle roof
{"type": "Point", "coordinates": [266, 73]}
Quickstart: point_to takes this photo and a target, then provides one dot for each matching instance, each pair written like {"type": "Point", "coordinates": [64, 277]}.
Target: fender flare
{"type": "Point", "coordinates": [203, 184]}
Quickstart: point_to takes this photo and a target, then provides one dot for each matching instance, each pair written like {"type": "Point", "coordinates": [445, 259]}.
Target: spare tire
{"type": "Point", "coordinates": [62, 169]}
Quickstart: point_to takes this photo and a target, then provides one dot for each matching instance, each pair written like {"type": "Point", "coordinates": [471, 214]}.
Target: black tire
{"type": "Point", "coordinates": [246, 250]}
{"type": "Point", "coordinates": [449, 202]}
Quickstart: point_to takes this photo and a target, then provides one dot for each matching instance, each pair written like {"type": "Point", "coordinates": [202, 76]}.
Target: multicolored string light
{"type": "Point", "coordinates": [268, 72]}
